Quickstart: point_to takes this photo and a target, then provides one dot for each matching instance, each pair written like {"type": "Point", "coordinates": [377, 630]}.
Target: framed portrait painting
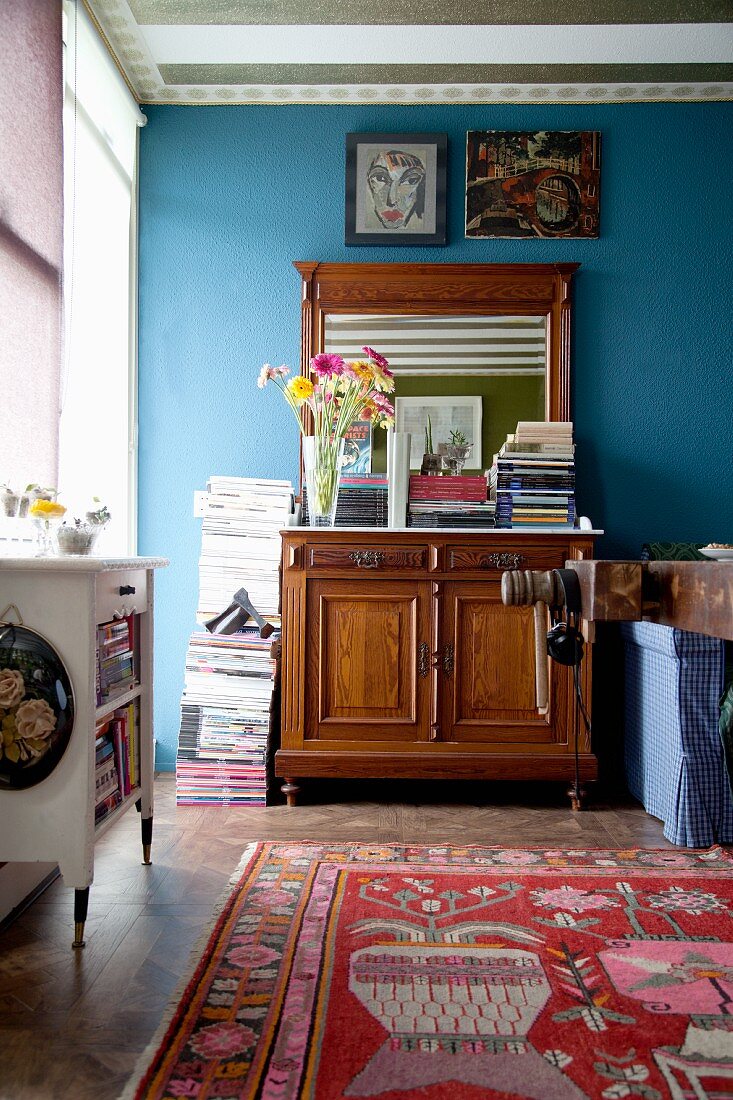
{"type": "Point", "coordinates": [395, 188]}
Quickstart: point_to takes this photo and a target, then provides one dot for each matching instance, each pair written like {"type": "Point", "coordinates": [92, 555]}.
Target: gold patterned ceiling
{"type": "Point", "coordinates": [476, 51]}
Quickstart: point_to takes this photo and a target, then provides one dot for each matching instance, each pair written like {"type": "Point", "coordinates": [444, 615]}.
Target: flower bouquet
{"type": "Point", "coordinates": [337, 393]}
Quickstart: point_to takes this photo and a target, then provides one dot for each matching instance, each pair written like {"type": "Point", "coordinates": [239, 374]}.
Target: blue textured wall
{"type": "Point", "coordinates": [230, 196]}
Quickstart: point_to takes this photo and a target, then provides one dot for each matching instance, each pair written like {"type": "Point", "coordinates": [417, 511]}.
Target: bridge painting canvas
{"type": "Point", "coordinates": [540, 184]}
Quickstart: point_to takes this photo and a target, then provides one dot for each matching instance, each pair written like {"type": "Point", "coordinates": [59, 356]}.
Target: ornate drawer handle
{"type": "Point", "coordinates": [366, 559]}
{"type": "Point", "coordinates": [502, 561]}
{"type": "Point", "coordinates": [448, 663]}
{"type": "Point", "coordinates": [423, 660]}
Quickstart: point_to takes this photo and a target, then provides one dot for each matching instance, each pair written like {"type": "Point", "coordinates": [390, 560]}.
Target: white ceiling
{"type": "Point", "coordinates": [306, 51]}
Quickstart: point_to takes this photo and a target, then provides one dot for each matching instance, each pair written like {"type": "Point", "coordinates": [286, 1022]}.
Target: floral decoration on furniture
{"type": "Point", "coordinates": [36, 707]}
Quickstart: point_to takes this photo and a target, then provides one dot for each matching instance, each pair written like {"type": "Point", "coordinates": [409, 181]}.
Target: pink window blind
{"type": "Point", "coordinates": [31, 239]}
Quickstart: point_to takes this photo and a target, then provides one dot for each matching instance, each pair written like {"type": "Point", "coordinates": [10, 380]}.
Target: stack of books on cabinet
{"type": "Point", "coordinates": [533, 477]}
{"type": "Point", "coordinates": [230, 679]}
{"type": "Point", "coordinates": [452, 501]}
{"type": "Point", "coordinates": [361, 502]}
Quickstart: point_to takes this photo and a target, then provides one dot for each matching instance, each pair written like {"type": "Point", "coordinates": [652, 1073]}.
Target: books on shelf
{"type": "Point", "coordinates": [451, 501]}
{"type": "Point", "coordinates": [115, 667]}
{"type": "Point", "coordinates": [117, 757]}
{"type": "Point", "coordinates": [532, 479]}
{"type": "Point", "coordinates": [454, 487]}
{"type": "Point", "coordinates": [362, 502]}
{"type": "Point", "coordinates": [549, 432]}
{"type": "Point", "coordinates": [451, 515]}
{"type": "Point", "coordinates": [229, 680]}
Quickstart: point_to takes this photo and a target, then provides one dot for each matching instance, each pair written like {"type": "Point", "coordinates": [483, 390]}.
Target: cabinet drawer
{"type": "Point", "coordinates": [368, 558]}
{"type": "Point", "coordinates": [493, 558]}
{"type": "Point", "coordinates": [111, 603]}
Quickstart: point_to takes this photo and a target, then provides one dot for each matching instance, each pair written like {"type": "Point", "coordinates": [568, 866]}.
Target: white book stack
{"type": "Point", "coordinates": [230, 679]}
{"type": "Point", "coordinates": [240, 543]}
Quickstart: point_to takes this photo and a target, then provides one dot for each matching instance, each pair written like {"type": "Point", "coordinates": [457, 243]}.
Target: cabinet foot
{"type": "Point", "coordinates": [291, 790]}
{"type": "Point", "coordinates": [147, 832]}
{"type": "Point", "coordinates": [577, 798]}
{"type": "Point", "coordinates": [81, 907]}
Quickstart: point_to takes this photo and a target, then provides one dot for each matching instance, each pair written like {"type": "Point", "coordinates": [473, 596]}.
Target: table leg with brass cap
{"type": "Point", "coordinates": [147, 836]}
{"type": "Point", "coordinates": [81, 907]}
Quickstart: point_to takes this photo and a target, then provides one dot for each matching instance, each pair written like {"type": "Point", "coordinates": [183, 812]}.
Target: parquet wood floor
{"type": "Point", "coordinates": [73, 1023]}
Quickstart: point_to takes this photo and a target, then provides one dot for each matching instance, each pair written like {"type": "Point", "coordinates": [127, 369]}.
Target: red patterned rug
{"type": "Point", "coordinates": [389, 971]}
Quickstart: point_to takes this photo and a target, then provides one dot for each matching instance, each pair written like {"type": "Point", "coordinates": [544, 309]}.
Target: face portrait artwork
{"type": "Point", "coordinates": [396, 185]}
{"type": "Point", "coordinates": [395, 189]}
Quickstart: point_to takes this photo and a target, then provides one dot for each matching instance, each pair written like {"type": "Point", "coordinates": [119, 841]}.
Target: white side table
{"type": "Point", "coordinates": [64, 599]}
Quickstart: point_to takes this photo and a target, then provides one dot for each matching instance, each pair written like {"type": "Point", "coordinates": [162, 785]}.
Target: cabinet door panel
{"type": "Point", "coordinates": [364, 680]}
{"type": "Point", "coordinates": [491, 695]}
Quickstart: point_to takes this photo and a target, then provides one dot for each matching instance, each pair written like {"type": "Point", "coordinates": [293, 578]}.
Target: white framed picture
{"type": "Point", "coordinates": [447, 414]}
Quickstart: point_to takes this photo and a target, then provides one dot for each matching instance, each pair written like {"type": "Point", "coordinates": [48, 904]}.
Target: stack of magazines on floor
{"type": "Point", "coordinates": [230, 678]}
{"type": "Point", "coordinates": [451, 501]}
{"type": "Point", "coordinates": [533, 477]}
{"type": "Point", "coordinates": [361, 502]}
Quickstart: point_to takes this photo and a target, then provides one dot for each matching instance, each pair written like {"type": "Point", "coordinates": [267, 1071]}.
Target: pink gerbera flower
{"type": "Point", "coordinates": [383, 404]}
{"type": "Point", "coordinates": [375, 357]}
{"type": "Point", "coordinates": [327, 364]}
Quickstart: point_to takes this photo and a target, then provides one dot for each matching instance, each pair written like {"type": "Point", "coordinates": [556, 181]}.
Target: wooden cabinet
{"type": "Point", "coordinates": [400, 660]}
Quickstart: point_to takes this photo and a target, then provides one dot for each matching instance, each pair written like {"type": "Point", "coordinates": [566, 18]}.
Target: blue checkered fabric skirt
{"type": "Point", "coordinates": [675, 764]}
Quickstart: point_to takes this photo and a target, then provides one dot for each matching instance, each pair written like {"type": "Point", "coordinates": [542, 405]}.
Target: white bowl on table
{"type": "Point", "coordinates": [717, 553]}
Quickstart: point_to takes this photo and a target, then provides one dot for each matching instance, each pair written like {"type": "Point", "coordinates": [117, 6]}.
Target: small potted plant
{"type": "Point", "coordinates": [10, 501]}
{"type": "Point", "coordinates": [457, 451]}
{"type": "Point", "coordinates": [76, 538]}
{"type": "Point", "coordinates": [81, 536]}
{"type": "Point", "coordinates": [99, 516]}
{"type": "Point", "coordinates": [431, 462]}
{"type": "Point", "coordinates": [35, 492]}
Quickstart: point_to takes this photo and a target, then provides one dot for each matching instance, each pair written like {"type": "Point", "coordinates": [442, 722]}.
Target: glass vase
{"type": "Point", "coordinates": [44, 535]}
{"type": "Point", "coordinates": [322, 459]}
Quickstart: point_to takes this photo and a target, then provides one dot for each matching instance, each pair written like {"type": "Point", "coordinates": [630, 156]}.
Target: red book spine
{"type": "Point", "coordinates": [469, 496]}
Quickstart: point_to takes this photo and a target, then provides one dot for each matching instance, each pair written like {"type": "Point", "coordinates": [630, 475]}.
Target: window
{"type": "Point", "coordinates": [97, 431]}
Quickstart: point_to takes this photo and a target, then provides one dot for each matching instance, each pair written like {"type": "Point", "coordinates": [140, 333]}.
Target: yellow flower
{"type": "Point", "coordinates": [301, 388]}
{"type": "Point", "coordinates": [362, 369]}
{"type": "Point", "coordinates": [46, 509]}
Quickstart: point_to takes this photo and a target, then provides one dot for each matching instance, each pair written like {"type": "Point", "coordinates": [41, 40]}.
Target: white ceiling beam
{"type": "Point", "coordinates": [670, 43]}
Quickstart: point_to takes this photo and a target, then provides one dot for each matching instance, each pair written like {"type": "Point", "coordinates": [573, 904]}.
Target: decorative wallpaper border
{"type": "Point", "coordinates": [434, 93]}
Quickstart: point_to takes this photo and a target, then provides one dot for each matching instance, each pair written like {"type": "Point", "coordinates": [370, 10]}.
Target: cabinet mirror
{"type": "Point", "coordinates": [475, 346]}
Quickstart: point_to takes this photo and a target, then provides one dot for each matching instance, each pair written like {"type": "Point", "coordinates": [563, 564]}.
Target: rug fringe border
{"type": "Point", "coordinates": [145, 1059]}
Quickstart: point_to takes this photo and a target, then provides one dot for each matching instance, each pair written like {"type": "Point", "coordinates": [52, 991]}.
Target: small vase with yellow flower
{"type": "Point", "coordinates": [46, 516]}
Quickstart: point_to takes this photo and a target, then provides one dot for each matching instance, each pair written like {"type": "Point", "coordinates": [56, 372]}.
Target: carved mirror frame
{"type": "Point", "coordinates": [445, 289]}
